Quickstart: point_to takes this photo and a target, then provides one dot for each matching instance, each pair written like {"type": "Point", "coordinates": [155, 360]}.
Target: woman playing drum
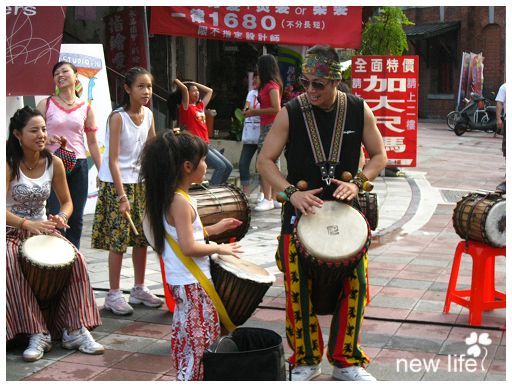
{"type": "Point", "coordinates": [31, 173]}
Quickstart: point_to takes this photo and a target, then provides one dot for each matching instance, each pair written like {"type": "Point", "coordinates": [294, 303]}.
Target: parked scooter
{"type": "Point", "coordinates": [473, 118]}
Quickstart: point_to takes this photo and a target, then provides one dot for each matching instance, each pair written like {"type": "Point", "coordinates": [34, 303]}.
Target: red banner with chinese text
{"type": "Point", "coordinates": [277, 25]}
{"type": "Point", "coordinates": [33, 39]}
{"type": "Point", "coordinates": [125, 47]}
{"type": "Point", "coordinates": [389, 85]}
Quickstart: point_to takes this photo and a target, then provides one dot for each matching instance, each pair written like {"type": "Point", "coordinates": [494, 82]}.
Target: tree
{"type": "Point", "coordinates": [383, 34]}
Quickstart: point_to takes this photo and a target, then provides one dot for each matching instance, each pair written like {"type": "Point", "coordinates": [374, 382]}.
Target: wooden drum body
{"type": "Point", "coordinates": [218, 202]}
{"type": "Point", "coordinates": [332, 241]}
{"type": "Point", "coordinates": [369, 208]}
{"type": "Point", "coordinates": [46, 262]}
{"type": "Point", "coordinates": [240, 284]}
{"type": "Point", "coordinates": [482, 218]}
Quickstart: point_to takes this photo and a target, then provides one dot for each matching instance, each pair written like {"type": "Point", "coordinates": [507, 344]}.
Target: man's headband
{"type": "Point", "coordinates": [321, 67]}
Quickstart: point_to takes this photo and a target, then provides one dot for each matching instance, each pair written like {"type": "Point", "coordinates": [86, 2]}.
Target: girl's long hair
{"type": "Point", "coordinates": [161, 171]}
{"type": "Point", "coordinates": [268, 70]}
{"type": "Point", "coordinates": [14, 151]}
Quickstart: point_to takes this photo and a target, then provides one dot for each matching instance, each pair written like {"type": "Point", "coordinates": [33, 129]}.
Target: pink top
{"type": "Point", "coordinates": [265, 102]}
{"type": "Point", "coordinates": [69, 123]}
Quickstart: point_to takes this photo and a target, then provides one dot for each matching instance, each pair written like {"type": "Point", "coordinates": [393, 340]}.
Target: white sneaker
{"type": "Point", "coordinates": [277, 204]}
{"type": "Point", "coordinates": [142, 295]}
{"type": "Point", "coordinates": [39, 343]}
{"type": "Point", "coordinates": [261, 196]}
{"type": "Point", "coordinates": [264, 205]}
{"type": "Point", "coordinates": [83, 341]}
{"type": "Point", "coordinates": [305, 373]}
{"type": "Point", "coordinates": [353, 373]}
{"type": "Point", "coordinates": [117, 304]}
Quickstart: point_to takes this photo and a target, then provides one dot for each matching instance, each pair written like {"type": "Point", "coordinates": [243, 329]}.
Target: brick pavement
{"type": "Point", "coordinates": [405, 332]}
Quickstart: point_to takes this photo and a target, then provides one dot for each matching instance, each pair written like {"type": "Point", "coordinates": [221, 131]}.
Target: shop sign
{"type": "Point", "coordinates": [125, 39]}
{"type": "Point", "coordinates": [33, 38]}
{"type": "Point", "coordinates": [389, 85]}
{"type": "Point", "coordinates": [295, 25]}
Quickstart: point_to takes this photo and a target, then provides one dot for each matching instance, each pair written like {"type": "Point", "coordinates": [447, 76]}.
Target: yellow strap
{"type": "Point", "coordinates": [203, 281]}
{"type": "Point", "coordinates": [187, 196]}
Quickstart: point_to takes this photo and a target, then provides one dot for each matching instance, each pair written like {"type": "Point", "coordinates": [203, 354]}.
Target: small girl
{"type": "Point", "coordinates": [172, 211]}
{"type": "Point", "coordinates": [120, 193]}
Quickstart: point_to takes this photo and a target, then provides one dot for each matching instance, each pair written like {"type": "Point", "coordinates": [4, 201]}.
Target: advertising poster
{"type": "Point", "coordinates": [389, 85]}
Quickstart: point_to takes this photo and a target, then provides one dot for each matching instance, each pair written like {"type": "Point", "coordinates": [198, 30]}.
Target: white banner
{"type": "Point", "coordinates": [92, 72]}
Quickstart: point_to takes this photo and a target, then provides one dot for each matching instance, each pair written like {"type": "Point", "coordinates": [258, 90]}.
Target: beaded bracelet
{"type": "Point", "coordinates": [283, 196]}
{"type": "Point", "coordinates": [63, 216]}
{"type": "Point", "coordinates": [21, 223]}
{"type": "Point", "coordinates": [289, 191]}
{"type": "Point", "coordinates": [120, 198]}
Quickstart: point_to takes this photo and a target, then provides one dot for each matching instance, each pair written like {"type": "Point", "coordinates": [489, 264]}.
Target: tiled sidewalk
{"type": "Point", "coordinates": [405, 332]}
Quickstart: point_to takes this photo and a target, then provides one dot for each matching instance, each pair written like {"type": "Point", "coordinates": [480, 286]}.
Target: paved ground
{"type": "Point", "coordinates": [405, 332]}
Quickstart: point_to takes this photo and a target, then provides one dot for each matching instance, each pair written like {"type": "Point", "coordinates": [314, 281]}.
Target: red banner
{"type": "Point", "coordinates": [33, 38]}
{"type": "Point", "coordinates": [125, 40]}
{"type": "Point", "coordinates": [337, 26]}
{"type": "Point", "coordinates": [389, 85]}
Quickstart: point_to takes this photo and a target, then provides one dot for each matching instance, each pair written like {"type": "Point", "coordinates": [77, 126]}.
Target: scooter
{"type": "Point", "coordinates": [472, 118]}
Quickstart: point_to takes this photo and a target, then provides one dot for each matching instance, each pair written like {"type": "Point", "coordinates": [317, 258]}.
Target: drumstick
{"type": "Point", "coordinates": [134, 229]}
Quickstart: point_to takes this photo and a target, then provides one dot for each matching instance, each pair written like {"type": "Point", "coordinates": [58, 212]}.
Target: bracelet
{"type": "Point", "coordinates": [63, 216]}
{"type": "Point", "coordinates": [283, 196]}
{"type": "Point", "coordinates": [21, 223]}
{"type": "Point", "coordinates": [120, 198]}
{"type": "Point", "coordinates": [289, 191]}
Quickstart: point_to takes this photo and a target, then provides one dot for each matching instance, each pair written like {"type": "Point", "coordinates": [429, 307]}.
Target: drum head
{"type": "Point", "coordinates": [48, 250]}
{"type": "Point", "coordinates": [495, 224]}
{"type": "Point", "coordinates": [243, 269]}
{"type": "Point", "coordinates": [335, 232]}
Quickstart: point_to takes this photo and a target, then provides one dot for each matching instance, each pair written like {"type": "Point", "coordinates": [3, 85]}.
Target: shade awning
{"type": "Point", "coordinates": [429, 30]}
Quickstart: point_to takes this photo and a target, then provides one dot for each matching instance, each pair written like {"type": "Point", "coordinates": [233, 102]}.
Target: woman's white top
{"type": "Point", "coordinates": [176, 272]}
{"type": "Point", "coordinates": [27, 196]}
{"type": "Point", "coordinates": [132, 140]}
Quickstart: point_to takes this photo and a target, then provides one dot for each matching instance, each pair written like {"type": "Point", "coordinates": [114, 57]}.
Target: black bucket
{"type": "Point", "coordinates": [246, 354]}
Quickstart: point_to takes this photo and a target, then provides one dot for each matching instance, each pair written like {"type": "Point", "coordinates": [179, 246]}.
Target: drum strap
{"type": "Point", "coordinates": [200, 276]}
{"type": "Point", "coordinates": [327, 167]}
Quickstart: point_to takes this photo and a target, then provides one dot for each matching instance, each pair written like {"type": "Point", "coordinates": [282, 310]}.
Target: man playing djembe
{"type": "Point", "coordinates": [321, 133]}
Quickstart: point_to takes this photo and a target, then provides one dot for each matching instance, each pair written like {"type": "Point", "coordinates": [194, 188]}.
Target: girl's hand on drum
{"type": "Point", "coordinates": [306, 201]}
{"type": "Point", "coordinates": [345, 191]}
{"type": "Point", "coordinates": [59, 222]}
{"type": "Point", "coordinates": [40, 227]}
{"type": "Point", "coordinates": [230, 249]}
{"type": "Point", "coordinates": [227, 224]}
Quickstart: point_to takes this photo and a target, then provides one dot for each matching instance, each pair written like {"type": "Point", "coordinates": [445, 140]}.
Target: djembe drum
{"type": "Point", "coordinates": [219, 202]}
{"type": "Point", "coordinates": [240, 284]}
{"type": "Point", "coordinates": [46, 262]}
{"type": "Point", "coordinates": [482, 218]}
{"type": "Point", "coordinates": [332, 241]}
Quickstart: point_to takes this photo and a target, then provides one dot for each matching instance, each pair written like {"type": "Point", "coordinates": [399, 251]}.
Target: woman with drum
{"type": "Point", "coordinates": [179, 237]}
{"type": "Point", "coordinates": [32, 171]}
{"type": "Point", "coordinates": [69, 118]}
{"type": "Point", "coordinates": [306, 126]}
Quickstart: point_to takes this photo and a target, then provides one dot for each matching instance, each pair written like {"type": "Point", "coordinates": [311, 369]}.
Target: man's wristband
{"type": "Point", "coordinates": [289, 191]}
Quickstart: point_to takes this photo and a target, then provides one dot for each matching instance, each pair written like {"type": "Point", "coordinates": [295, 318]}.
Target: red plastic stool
{"type": "Point", "coordinates": [482, 295]}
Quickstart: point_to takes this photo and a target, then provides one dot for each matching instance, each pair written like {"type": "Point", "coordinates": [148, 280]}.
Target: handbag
{"type": "Point", "coordinates": [251, 132]}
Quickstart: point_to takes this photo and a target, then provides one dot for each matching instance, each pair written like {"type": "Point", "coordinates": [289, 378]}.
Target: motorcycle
{"type": "Point", "coordinates": [474, 118]}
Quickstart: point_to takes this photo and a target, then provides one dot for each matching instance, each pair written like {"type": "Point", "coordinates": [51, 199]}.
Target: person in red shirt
{"type": "Point", "coordinates": [270, 92]}
{"type": "Point", "coordinates": [191, 112]}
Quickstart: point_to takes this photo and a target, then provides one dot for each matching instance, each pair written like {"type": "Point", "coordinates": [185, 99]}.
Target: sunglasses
{"type": "Point", "coordinates": [314, 84]}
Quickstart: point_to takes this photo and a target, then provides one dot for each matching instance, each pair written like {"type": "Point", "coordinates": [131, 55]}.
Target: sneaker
{"type": "Point", "coordinates": [39, 343]}
{"type": "Point", "coordinates": [305, 372]}
{"type": "Point", "coordinates": [83, 341]}
{"type": "Point", "coordinates": [277, 204]}
{"type": "Point", "coordinates": [116, 303]}
{"type": "Point", "coordinates": [264, 205]}
{"type": "Point", "coordinates": [261, 196]}
{"type": "Point", "coordinates": [353, 373]}
{"type": "Point", "coordinates": [142, 295]}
